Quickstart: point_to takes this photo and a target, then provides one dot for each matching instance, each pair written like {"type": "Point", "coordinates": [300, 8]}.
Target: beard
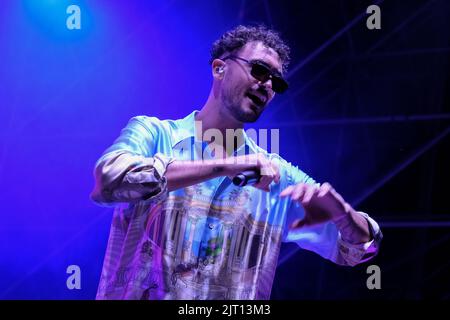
{"type": "Point", "coordinates": [239, 107]}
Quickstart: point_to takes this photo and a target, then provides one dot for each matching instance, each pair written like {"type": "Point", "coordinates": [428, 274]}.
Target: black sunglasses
{"type": "Point", "coordinates": [263, 72]}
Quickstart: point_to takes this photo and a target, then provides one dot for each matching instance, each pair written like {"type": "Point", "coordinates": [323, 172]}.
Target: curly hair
{"type": "Point", "coordinates": [236, 38]}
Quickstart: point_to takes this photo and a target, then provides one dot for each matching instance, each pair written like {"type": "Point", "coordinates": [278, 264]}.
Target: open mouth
{"type": "Point", "coordinates": [258, 100]}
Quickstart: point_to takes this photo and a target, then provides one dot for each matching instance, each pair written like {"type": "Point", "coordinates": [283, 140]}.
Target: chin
{"type": "Point", "coordinates": [251, 119]}
{"type": "Point", "coordinates": [249, 115]}
{"type": "Point", "coordinates": [245, 112]}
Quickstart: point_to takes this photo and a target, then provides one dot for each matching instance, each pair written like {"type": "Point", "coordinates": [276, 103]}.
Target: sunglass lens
{"type": "Point", "coordinates": [260, 72]}
{"type": "Point", "coordinates": [279, 85]}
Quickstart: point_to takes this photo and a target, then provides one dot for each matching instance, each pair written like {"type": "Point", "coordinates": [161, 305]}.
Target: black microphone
{"type": "Point", "coordinates": [246, 177]}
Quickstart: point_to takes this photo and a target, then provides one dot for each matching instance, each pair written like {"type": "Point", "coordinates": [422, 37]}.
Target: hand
{"type": "Point", "coordinates": [267, 168]}
{"type": "Point", "coordinates": [321, 204]}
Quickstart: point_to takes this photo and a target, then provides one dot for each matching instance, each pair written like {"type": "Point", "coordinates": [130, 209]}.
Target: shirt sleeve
{"type": "Point", "coordinates": [325, 239]}
{"type": "Point", "coordinates": [131, 170]}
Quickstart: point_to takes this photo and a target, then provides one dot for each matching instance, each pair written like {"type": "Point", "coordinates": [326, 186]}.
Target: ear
{"type": "Point", "coordinates": [218, 68]}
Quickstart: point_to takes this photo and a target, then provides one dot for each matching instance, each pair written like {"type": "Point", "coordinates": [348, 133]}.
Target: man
{"type": "Point", "coordinates": [181, 229]}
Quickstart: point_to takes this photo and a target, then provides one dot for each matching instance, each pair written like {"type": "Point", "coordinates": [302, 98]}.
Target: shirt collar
{"type": "Point", "coordinates": [185, 129]}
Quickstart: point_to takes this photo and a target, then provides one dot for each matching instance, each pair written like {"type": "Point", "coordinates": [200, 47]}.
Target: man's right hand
{"type": "Point", "coordinates": [181, 173]}
{"type": "Point", "coordinates": [267, 168]}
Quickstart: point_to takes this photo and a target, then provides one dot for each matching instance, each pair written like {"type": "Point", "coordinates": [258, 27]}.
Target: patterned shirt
{"type": "Point", "coordinates": [212, 240]}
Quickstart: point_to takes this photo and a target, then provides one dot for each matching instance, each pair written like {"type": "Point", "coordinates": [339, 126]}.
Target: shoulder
{"type": "Point", "coordinates": [153, 125]}
{"type": "Point", "coordinates": [146, 121]}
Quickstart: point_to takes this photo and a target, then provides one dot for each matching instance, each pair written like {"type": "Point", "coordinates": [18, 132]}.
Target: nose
{"type": "Point", "coordinates": [267, 86]}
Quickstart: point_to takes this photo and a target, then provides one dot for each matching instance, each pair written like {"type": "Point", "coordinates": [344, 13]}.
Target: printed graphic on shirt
{"type": "Point", "coordinates": [195, 248]}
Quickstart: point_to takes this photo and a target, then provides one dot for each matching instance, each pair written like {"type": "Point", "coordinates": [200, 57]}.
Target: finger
{"type": "Point", "coordinates": [287, 191]}
{"type": "Point", "coordinates": [327, 189]}
{"type": "Point", "coordinates": [267, 169]}
{"type": "Point", "coordinates": [336, 195]}
{"type": "Point", "coordinates": [263, 183]}
{"type": "Point", "coordinates": [268, 174]}
{"type": "Point", "coordinates": [324, 189]}
{"type": "Point", "coordinates": [310, 191]}
{"type": "Point", "coordinates": [261, 161]}
{"type": "Point", "coordinates": [298, 192]}
{"type": "Point", "coordinates": [277, 175]}
{"type": "Point", "coordinates": [276, 170]}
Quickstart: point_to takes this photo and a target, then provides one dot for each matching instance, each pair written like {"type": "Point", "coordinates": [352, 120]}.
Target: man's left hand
{"type": "Point", "coordinates": [321, 203]}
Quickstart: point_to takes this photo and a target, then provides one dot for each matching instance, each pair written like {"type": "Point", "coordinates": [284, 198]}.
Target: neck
{"type": "Point", "coordinates": [214, 115]}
